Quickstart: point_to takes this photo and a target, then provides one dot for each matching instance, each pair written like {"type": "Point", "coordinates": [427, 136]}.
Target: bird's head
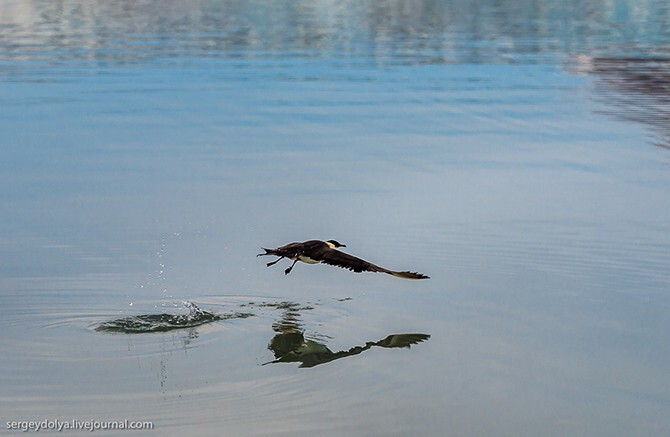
{"type": "Point", "coordinates": [334, 244]}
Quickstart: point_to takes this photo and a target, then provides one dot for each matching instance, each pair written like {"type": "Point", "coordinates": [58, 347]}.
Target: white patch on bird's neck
{"type": "Point", "coordinates": [331, 245]}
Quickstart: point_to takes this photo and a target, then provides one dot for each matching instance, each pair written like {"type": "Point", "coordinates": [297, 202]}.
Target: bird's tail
{"type": "Point", "coordinates": [407, 275]}
{"type": "Point", "coordinates": [268, 252]}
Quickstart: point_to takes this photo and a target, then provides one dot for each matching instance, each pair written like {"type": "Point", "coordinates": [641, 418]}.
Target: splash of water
{"type": "Point", "coordinates": [147, 323]}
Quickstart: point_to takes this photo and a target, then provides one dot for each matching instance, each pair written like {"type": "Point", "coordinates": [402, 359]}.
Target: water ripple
{"type": "Point", "coordinates": [147, 323]}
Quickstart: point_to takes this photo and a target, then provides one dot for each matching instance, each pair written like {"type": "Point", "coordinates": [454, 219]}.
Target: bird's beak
{"type": "Point", "coordinates": [343, 245]}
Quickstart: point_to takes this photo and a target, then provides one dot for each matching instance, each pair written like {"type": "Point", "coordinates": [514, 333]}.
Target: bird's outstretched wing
{"type": "Point", "coordinates": [336, 258]}
{"type": "Point", "coordinates": [340, 259]}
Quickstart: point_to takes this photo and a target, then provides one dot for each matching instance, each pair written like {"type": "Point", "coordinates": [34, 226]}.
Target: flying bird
{"type": "Point", "coordinates": [317, 251]}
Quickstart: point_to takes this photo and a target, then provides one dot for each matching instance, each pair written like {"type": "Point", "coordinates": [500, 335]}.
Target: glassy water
{"type": "Point", "coordinates": [516, 152]}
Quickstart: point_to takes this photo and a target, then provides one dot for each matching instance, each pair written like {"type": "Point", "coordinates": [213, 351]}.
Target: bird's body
{"type": "Point", "coordinates": [317, 251]}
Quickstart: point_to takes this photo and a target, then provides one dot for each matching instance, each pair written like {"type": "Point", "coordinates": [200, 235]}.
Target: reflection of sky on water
{"type": "Point", "coordinates": [148, 150]}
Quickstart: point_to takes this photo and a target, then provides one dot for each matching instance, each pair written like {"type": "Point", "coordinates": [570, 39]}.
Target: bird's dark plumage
{"type": "Point", "coordinates": [317, 251]}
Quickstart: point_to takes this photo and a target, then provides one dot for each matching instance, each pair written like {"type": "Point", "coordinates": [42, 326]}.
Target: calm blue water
{"type": "Point", "coordinates": [516, 152]}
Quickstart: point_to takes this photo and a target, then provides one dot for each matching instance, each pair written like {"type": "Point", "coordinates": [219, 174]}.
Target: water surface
{"type": "Point", "coordinates": [516, 153]}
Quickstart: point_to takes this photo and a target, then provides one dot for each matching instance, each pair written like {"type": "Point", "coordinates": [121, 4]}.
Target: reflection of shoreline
{"type": "Point", "coordinates": [434, 31]}
{"type": "Point", "coordinates": [289, 345]}
{"type": "Point", "coordinates": [634, 89]}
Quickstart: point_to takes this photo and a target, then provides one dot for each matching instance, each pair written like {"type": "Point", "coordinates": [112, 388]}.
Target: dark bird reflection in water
{"type": "Point", "coordinates": [291, 346]}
